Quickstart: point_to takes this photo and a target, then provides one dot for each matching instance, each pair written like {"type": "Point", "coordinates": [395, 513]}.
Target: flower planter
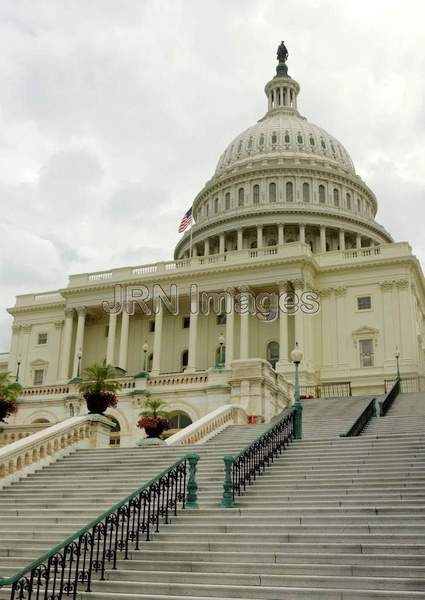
{"type": "Point", "coordinates": [6, 409]}
{"type": "Point", "coordinates": [98, 403]}
{"type": "Point", "coordinates": [153, 426]}
{"type": "Point", "coordinates": [154, 432]}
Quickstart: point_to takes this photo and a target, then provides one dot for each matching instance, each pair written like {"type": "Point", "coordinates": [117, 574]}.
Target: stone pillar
{"type": "Point", "coordinates": [110, 347]}
{"type": "Point", "coordinates": [54, 366]}
{"type": "Point", "coordinates": [281, 234]}
{"type": "Point", "coordinates": [283, 327]}
{"type": "Point", "coordinates": [221, 243]}
{"type": "Point", "coordinates": [358, 241]}
{"type": "Point", "coordinates": [193, 337]}
{"type": "Point", "coordinates": [341, 239]}
{"type": "Point", "coordinates": [259, 236]}
{"type": "Point", "coordinates": [157, 342]}
{"type": "Point", "coordinates": [15, 349]}
{"type": "Point", "coordinates": [322, 238]}
{"type": "Point", "coordinates": [194, 250]}
{"type": "Point", "coordinates": [230, 327]}
{"type": "Point", "coordinates": [240, 239]}
{"type": "Point", "coordinates": [299, 319]}
{"type": "Point", "coordinates": [244, 325]}
{"type": "Point", "coordinates": [66, 345]}
{"type": "Point", "coordinates": [302, 233]}
{"type": "Point", "coordinates": [390, 318]}
{"type": "Point", "coordinates": [207, 247]}
{"type": "Point", "coordinates": [79, 340]}
{"type": "Point", "coordinates": [24, 376]}
{"type": "Point", "coordinates": [125, 326]}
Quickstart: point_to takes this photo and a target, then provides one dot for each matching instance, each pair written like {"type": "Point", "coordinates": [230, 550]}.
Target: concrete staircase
{"type": "Point", "coordinates": [328, 417]}
{"type": "Point", "coordinates": [333, 518]}
{"type": "Point", "coordinates": [406, 416]}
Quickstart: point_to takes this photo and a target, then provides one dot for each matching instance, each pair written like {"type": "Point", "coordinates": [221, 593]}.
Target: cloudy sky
{"type": "Point", "coordinates": [113, 115]}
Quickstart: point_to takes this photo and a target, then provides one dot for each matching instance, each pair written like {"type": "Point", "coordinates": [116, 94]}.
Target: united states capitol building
{"type": "Point", "coordinates": [283, 214]}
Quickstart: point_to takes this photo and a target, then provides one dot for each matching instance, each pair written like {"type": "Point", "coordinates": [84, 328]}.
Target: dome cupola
{"type": "Point", "coordinates": [291, 176]}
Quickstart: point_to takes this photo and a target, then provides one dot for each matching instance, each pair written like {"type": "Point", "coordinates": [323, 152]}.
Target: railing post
{"type": "Point", "coordinates": [227, 500]}
{"type": "Point", "coordinates": [192, 486]}
{"type": "Point", "coordinates": [298, 416]}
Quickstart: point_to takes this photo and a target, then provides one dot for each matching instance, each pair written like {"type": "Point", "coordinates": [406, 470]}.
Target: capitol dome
{"type": "Point", "coordinates": [283, 180]}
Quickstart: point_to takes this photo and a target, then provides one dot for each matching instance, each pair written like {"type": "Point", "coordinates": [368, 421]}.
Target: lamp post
{"type": "Point", "coordinates": [18, 366]}
{"type": "Point", "coordinates": [79, 355]}
{"type": "Point", "coordinates": [397, 357]}
{"type": "Point", "coordinates": [221, 352]}
{"type": "Point", "coordinates": [296, 357]}
{"type": "Point", "coordinates": [145, 357]}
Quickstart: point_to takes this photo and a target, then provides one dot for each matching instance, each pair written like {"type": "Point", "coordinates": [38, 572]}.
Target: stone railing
{"type": "Point", "coordinates": [45, 390]}
{"type": "Point", "coordinates": [209, 425]}
{"type": "Point", "coordinates": [41, 448]}
{"type": "Point", "coordinates": [13, 433]}
{"type": "Point", "coordinates": [178, 379]}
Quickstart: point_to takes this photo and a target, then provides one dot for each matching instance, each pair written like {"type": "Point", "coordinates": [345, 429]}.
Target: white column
{"type": "Point", "coordinates": [240, 239]}
{"type": "Point", "coordinates": [194, 250]}
{"type": "Point", "coordinates": [79, 340]}
{"type": "Point", "coordinates": [299, 321]}
{"type": "Point", "coordinates": [322, 238]}
{"type": "Point", "coordinates": [302, 233]}
{"type": "Point", "coordinates": [259, 236]}
{"type": "Point", "coordinates": [358, 241]}
{"type": "Point", "coordinates": [12, 366]}
{"type": "Point", "coordinates": [157, 342]}
{"type": "Point", "coordinates": [110, 347]}
{"type": "Point", "coordinates": [230, 327]}
{"type": "Point", "coordinates": [66, 345]}
{"type": "Point", "coordinates": [193, 338]}
{"type": "Point", "coordinates": [25, 371]}
{"type": "Point", "coordinates": [207, 247]}
{"type": "Point", "coordinates": [244, 325]}
{"type": "Point", "coordinates": [341, 239]}
{"type": "Point", "coordinates": [221, 244]}
{"type": "Point", "coordinates": [125, 325]}
{"type": "Point", "coordinates": [283, 327]}
{"type": "Point", "coordinates": [54, 366]}
{"type": "Point", "coordinates": [281, 235]}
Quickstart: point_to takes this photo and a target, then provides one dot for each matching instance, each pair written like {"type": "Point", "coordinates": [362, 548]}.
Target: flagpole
{"type": "Point", "coordinates": [190, 247]}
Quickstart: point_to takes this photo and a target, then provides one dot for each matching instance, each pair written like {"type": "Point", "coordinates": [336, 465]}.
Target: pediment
{"type": "Point", "coordinates": [365, 330]}
{"type": "Point", "coordinates": [39, 362]}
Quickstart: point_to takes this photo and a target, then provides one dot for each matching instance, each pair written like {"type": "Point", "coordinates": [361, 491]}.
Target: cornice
{"type": "Point", "coordinates": [14, 310]}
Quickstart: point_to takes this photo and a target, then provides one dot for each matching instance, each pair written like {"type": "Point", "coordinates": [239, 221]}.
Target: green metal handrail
{"type": "Point", "coordinates": [362, 420]}
{"type": "Point", "coordinates": [386, 404]}
{"type": "Point", "coordinates": [241, 469]}
{"type": "Point", "coordinates": [111, 517]}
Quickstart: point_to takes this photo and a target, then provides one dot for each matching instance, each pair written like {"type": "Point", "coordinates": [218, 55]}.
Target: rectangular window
{"type": "Point", "coordinates": [221, 319]}
{"type": "Point", "coordinates": [42, 339]}
{"type": "Point", "coordinates": [151, 326]}
{"type": "Point", "coordinates": [186, 322]}
{"type": "Point", "coordinates": [364, 303]}
{"type": "Point", "coordinates": [38, 377]}
{"type": "Point", "coordinates": [366, 353]}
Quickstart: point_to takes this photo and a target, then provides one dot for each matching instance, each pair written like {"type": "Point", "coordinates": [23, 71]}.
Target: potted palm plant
{"type": "Point", "coordinates": [98, 386]}
{"type": "Point", "coordinates": [154, 419]}
{"type": "Point", "coordinates": [9, 392]}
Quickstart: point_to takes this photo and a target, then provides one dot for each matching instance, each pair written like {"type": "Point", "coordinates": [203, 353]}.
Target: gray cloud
{"type": "Point", "coordinates": [113, 116]}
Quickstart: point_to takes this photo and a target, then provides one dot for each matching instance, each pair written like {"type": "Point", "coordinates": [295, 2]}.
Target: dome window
{"type": "Point", "coordinates": [336, 197]}
{"type": "Point", "coordinates": [287, 138]}
{"type": "Point", "coordinates": [261, 141]}
{"type": "Point", "coordinates": [300, 138]}
{"type": "Point", "coordinates": [274, 138]}
{"type": "Point", "coordinates": [240, 147]}
{"type": "Point", "coordinates": [241, 197]}
{"type": "Point", "coordinates": [289, 192]}
{"type": "Point", "coordinates": [348, 200]}
{"type": "Point", "coordinates": [227, 200]}
{"type": "Point", "coordinates": [306, 192]}
{"type": "Point", "coordinates": [216, 205]}
{"type": "Point", "coordinates": [272, 192]}
{"type": "Point", "coordinates": [312, 142]}
{"type": "Point", "coordinates": [250, 142]}
{"type": "Point", "coordinates": [207, 209]}
{"type": "Point", "coordinates": [323, 143]}
{"type": "Point", "coordinates": [322, 196]}
{"type": "Point", "coordinates": [332, 148]}
{"type": "Point", "coordinates": [256, 194]}
{"type": "Point", "coordinates": [273, 353]}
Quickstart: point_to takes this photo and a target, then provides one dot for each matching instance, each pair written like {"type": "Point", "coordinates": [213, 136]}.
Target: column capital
{"type": "Point", "coordinates": [69, 312]}
{"type": "Point", "coordinates": [81, 310]}
{"type": "Point", "coordinates": [16, 327]}
{"type": "Point", "coordinates": [283, 285]}
{"type": "Point", "coordinates": [231, 291]}
{"type": "Point", "coordinates": [298, 284]}
{"type": "Point", "coordinates": [27, 327]}
{"type": "Point", "coordinates": [59, 323]}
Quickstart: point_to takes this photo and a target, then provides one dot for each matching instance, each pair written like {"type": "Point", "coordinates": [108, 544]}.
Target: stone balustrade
{"type": "Point", "coordinates": [178, 379]}
{"type": "Point", "coordinates": [209, 425]}
{"type": "Point", "coordinates": [43, 447]}
{"type": "Point", "coordinates": [12, 433]}
{"type": "Point", "coordinates": [45, 390]}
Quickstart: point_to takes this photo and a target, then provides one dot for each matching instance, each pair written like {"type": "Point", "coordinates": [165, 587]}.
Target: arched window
{"type": "Point", "coordinates": [185, 359]}
{"type": "Point", "coordinates": [150, 362]}
{"type": "Point", "coordinates": [323, 143]}
{"type": "Point", "coordinates": [227, 200]}
{"type": "Point", "coordinates": [289, 191]}
{"type": "Point", "coordinates": [287, 138]}
{"type": "Point", "coordinates": [348, 199]}
{"type": "Point", "coordinates": [274, 137]}
{"type": "Point", "coordinates": [272, 192]}
{"type": "Point", "coordinates": [114, 434]}
{"type": "Point", "coordinates": [336, 197]}
{"type": "Point", "coordinates": [256, 194]}
{"type": "Point", "coordinates": [261, 141]}
{"type": "Point", "coordinates": [179, 420]}
{"type": "Point", "coordinates": [207, 209]}
{"type": "Point", "coordinates": [273, 353]}
{"type": "Point", "coordinates": [299, 138]}
{"type": "Point", "coordinates": [241, 196]}
{"type": "Point", "coordinates": [250, 143]}
{"type": "Point", "coordinates": [322, 196]}
{"type": "Point", "coordinates": [306, 192]}
{"type": "Point", "coordinates": [312, 142]}
{"type": "Point", "coordinates": [216, 205]}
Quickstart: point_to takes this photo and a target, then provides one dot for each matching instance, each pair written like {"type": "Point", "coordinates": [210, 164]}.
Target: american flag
{"type": "Point", "coordinates": [186, 221]}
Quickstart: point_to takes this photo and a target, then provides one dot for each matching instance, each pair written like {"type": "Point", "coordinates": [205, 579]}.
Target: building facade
{"type": "Point", "coordinates": [284, 227]}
